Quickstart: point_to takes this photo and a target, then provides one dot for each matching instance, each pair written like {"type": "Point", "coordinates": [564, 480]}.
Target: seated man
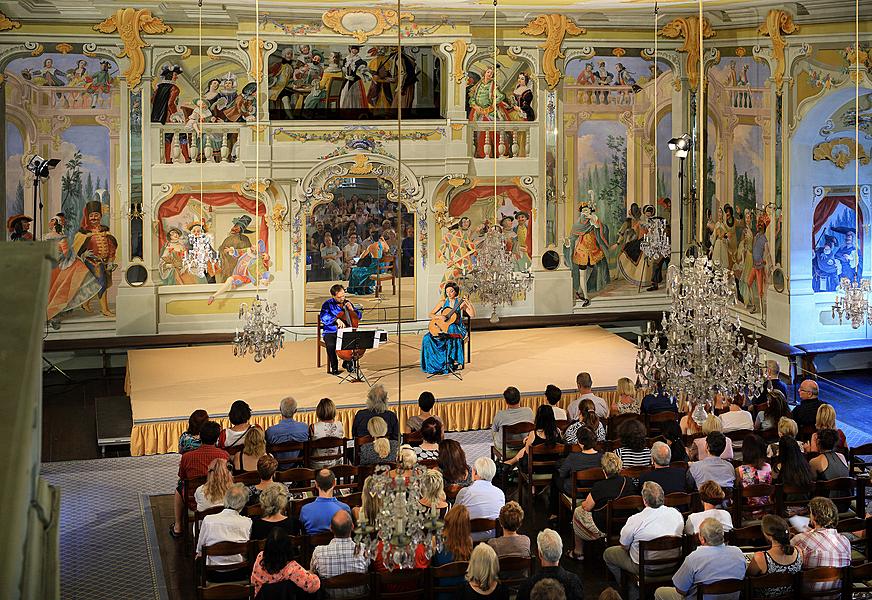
{"type": "Point", "coordinates": [512, 414]}
{"type": "Point", "coordinates": [550, 550]}
{"type": "Point", "coordinates": [713, 561]}
{"type": "Point", "coordinates": [714, 467]}
{"type": "Point", "coordinates": [584, 383]}
{"type": "Point", "coordinates": [658, 401]}
{"type": "Point", "coordinates": [194, 464]}
{"type": "Point", "coordinates": [316, 516]}
{"type": "Point", "coordinates": [226, 526]}
{"type": "Point", "coordinates": [339, 556]}
{"type": "Point", "coordinates": [822, 545]}
{"type": "Point", "coordinates": [287, 430]}
{"type": "Point", "coordinates": [655, 520]}
{"type": "Point", "coordinates": [671, 479]}
{"type": "Point", "coordinates": [483, 499]}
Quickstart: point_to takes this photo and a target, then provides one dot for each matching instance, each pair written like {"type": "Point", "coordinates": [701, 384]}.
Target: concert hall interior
{"type": "Point", "coordinates": [509, 298]}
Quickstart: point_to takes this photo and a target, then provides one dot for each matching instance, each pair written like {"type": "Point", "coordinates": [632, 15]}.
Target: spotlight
{"type": "Point", "coordinates": [680, 146]}
{"type": "Point", "coordinates": [40, 166]}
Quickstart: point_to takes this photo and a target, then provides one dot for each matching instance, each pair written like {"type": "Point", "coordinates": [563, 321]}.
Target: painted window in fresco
{"type": "Point", "coordinates": [336, 82]}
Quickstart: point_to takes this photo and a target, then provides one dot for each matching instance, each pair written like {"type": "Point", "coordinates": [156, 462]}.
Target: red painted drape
{"type": "Point", "coordinates": [825, 208]}
{"type": "Point", "coordinates": [175, 205]}
{"type": "Point", "coordinates": [521, 199]}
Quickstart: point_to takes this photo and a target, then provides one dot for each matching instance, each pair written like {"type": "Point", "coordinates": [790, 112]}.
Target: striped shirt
{"type": "Point", "coordinates": [634, 458]}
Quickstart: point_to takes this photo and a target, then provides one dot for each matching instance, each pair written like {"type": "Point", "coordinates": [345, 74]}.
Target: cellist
{"type": "Point", "coordinates": [331, 321]}
{"type": "Point", "coordinates": [435, 349]}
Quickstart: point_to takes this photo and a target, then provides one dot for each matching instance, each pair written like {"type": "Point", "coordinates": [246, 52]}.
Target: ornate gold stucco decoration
{"type": "Point", "coordinates": [38, 50]}
{"type": "Point", "coordinates": [459, 47]}
{"type": "Point", "coordinates": [778, 23]}
{"type": "Point", "coordinates": [64, 48]}
{"type": "Point", "coordinates": [556, 28]}
{"type": "Point", "coordinates": [131, 23]}
{"type": "Point", "coordinates": [688, 28]}
{"type": "Point", "coordinates": [840, 152]}
{"type": "Point", "coordinates": [6, 23]}
{"type": "Point", "coordinates": [361, 166]}
{"type": "Point", "coordinates": [363, 23]}
{"type": "Point", "coordinates": [255, 56]}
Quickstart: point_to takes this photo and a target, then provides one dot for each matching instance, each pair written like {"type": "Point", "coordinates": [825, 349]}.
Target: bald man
{"type": "Point", "coordinates": [339, 557]}
{"type": "Point", "coordinates": [806, 413]}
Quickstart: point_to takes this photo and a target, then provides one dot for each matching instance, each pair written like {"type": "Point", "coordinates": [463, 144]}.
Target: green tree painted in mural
{"type": "Point", "coordinates": [89, 188]}
{"type": "Point", "coordinates": [612, 200]}
{"type": "Point", "coordinates": [744, 190]}
{"type": "Point", "coordinates": [17, 206]}
{"type": "Point", "coordinates": [72, 199]}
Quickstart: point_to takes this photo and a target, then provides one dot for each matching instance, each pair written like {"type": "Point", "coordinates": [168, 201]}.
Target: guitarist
{"type": "Point", "coordinates": [434, 348]}
{"type": "Point", "coordinates": [330, 323]}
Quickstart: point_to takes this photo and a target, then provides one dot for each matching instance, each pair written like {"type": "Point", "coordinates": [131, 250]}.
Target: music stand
{"type": "Point", "coordinates": [357, 339]}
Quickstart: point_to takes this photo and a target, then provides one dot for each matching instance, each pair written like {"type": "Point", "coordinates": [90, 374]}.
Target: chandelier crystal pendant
{"type": "Point", "coordinates": [200, 254]}
{"type": "Point", "coordinates": [402, 523]}
{"type": "Point", "coordinates": [852, 302]}
{"type": "Point", "coordinates": [655, 243]}
{"type": "Point", "coordinates": [700, 350]}
{"type": "Point", "coordinates": [261, 336]}
{"type": "Point", "coordinates": [493, 276]}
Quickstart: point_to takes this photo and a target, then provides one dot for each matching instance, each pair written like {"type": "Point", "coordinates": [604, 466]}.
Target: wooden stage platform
{"type": "Point", "coordinates": [166, 384]}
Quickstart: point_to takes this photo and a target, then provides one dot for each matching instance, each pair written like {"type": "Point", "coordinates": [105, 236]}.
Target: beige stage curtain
{"type": "Point", "coordinates": [163, 437]}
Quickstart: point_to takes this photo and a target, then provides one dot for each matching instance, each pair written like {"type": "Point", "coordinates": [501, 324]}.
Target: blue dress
{"type": "Point", "coordinates": [433, 348]}
{"type": "Point", "coordinates": [360, 282]}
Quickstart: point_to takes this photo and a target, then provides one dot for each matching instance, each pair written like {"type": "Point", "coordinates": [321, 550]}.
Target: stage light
{"type": "Point", "coordinates": [40, 166]}
{"type": "Point", "coordinates": [680, 146]}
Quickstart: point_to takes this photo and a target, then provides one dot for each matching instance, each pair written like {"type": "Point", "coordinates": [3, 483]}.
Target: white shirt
{"type": "Point", "coordinates": [483, 500]}
{"type": "Point", "coordinates": [650, 524]}
{"type": "Point", "coordinates": [737, 420]}
{"type": "Point", "coordinates": [226, 526]}
{"type": "Point", "coordinates": [204, 503]}
{"type": "Point", "coordinates": [559, 413]}
{"type": "Point", "coordinates": [602, 407]}
{"type": "Point", "coordinates": [694, 520]}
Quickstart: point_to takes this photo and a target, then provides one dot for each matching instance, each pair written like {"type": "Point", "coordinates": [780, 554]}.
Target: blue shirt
{"type": "Point", "coordinates": [709, 564]}
{"type": "Point", "coordinates": [329, 311]}
{"type": "Point", "coordinates": [659, 402]}
{"type": "Point", "coordinates": [287, 430]}
{"type": "Point", "coordinates": [316, 516]}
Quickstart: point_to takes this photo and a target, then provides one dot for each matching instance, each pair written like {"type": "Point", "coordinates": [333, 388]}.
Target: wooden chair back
{"type": "Point", "coordinates": [541, 462]}
{"type": "Point", "coordinates": [858, 576]}
{"type": "Point", "coordinates": [562, 425]}
{"type": "Point", "coordinates": [842, 491]}
{"type": "Point", "coordinates": [617, 421]}
{"type": "Point", "coordinates": [482, 525]}
{"type": "Point", "coordinates": [325, 450]}
{"type": "Point", "coordinates": [822, 583]}
{"type": "Point", "coordinates": [684, 502]}
{"type": "Point", "coordinates": [280, 452]}
{"type": "Point", "coordinates": [767, 495]}
{"type": "Point", "coordinates": [243, 549]}
{"type": "Point", "coordinates": [413, 438]}
{"type": "Point", "coordinates": [451, 491]}
{"type": "Point", "coordinates": [617, 511]}
{"type": "Point", "coordinates": [225, 591]}
{"type": "Point", "coordinates": [349, 586]}
{"type": "Point", "coordinates": [514, 571]}
{"type": "Point", "coordinates": [347, 477]}
{"type": "Point", "coordinates": [657, 421]}
{"type": "Point", "coordinates": [748, 539]}
{"type": "Point", "coordinates": [452, 570]}
{"type": "Point", "coordinates": [726, 586]}
{"type": "Point", "coordinates": [247, 478]}
{"type": "Point", "coordinates": [635, 472]}
{"type": "Point", "coordinates": [659, 559]}
{"type": "Point", "coordinates": [408, 583]}
{"type": "Point", "coordinates": [299, 478]}
{"type": "Point", "coordinates": [200, 515]}
{"type": "Point", "coordinates": [770, 583]}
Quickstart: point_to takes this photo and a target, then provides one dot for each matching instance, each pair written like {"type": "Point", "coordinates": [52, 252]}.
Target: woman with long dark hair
{"type": "Point", "coordinates": [444, 353]}
{"type": "Point", "coordinates": [452, 463]}
{"type": "Point", "coordinates": [792, 470]}
{"type": "Point", "coordinates": [276, 565]}
{"type": "Point", "coordinates": [776, 408]}
{"type": "Point", "coordinates": [546, 432]}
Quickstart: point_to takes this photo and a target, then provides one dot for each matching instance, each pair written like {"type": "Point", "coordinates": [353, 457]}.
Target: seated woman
{"type": "Point", "coordinates": [754, 468]}
{"type": "Point", "coordinates": [791, 470]}
{"type": "Point", "coordinates": [829, 464]}
{"type": "Point", "coordinates": [361, 281]}
{"type": "Point", "coordinates": [273, 501]}
{"type": "Point", "coordinates": [634, 451]}
{"type": "Point", "coordinates": [190, 439]}
{"type": "Point", "coordinates": [370, 504]}
{"type": "Point", "coordinates": [275, 565]}
{"type": "Point", "coordinates": [737, 418]}
{"type": "Point", "coordinates": [787, 427]}
{"type": "Point", "coordinates": [698, 450]}
{"type": "Point", "coordinates": [326, 427]}
{"type": "Point", "coordinates": [825, 418]}
{"type": "Point", "coordinates": [511, 543]}
{"type": "Point", "coordinates": [426, 401]}
{"type": "Point", "coordinates": [672, 432]}
{"type": "Point", "coordinates": [380, 449]}
{"type": "Point", "coordinates": [438, 352]}
{"type": "Point", "coordinates": [266, 468]}
{"type": "Point", "coordinates": [545, 433]}
{"type": "Point", "coordinates": [240, 417]}
{"type": "Point", "coordinates": [218, 480]}
{"type": "Point", "coordinates": [431, 434]}
{"type": "Point", "coordinates": [482, 576]}
{"type": "Point", "coordinates": [782, 557]}
{"type": "Point", "coordinates": [376, 406]}
{"type": "Point", "coordinates": [587, 417]}
{"type": "Point", "coordinates": [687, 424]}
{"type": "Point", "coordinates": [253, 448]}
{"type": "Point", "coordinates": [456, 542]}
{"type": "Point", "coordinates": [776, 407]}
{"type": "Point", "coordinates": [626, 401]}
{"type": "Point", "coordinates": [712, 497]}
{"type": "Point", "coordinates": [452, 463]}
{"type": "Point", "coordinates": [433, 492]}
{"type": "Point", "coordinates": [406, 461]}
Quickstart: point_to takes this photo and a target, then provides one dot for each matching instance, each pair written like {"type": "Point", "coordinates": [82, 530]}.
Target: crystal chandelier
{"type": "Point", "coordinates": [260, 335]}
{"type": "Point", "coordinates": [402, 522]}
{"type": "Point", "coordinates": [493, 276]}
{"type": "Point", "coordinates": [852, 302]}
{"type": "Point", "coordinates": [200, 254]}
{"type": "Point", "coordinates": [655, 243]}
{"type": "Point", "coordinates": [700, 350]}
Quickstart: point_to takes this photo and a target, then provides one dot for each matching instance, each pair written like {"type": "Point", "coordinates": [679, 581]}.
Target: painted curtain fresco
{"type": "Point", "coordinates": [65, 106]}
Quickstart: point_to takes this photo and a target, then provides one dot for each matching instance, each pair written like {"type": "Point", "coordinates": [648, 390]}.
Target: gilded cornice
{"type": "Point", "coordinates": [688, 28]}
{"type": "Point", "coordinates": [778, 23]}
{"type": "Point", "coordinates": [6, 23]}
{"type": "Point", "coordinates": [555, 27]}
{"type": "Point", "coordinates": [130, 24]}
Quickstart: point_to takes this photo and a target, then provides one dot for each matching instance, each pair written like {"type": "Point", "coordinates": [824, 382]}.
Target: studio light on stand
{"type": "Point", "coordinates": [681, 147]}
{"type": "Point", "coordinates": [41, 169]}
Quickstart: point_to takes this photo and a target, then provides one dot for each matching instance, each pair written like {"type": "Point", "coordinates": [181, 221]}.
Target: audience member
{"type": "Point", "coordinates": [190, 438]}
{"type": "Point", "coordinates": [776, 407]}
{"type": "Point", "coordinates": [452, 463]}
{"type": "Point", "coordinates": [712, 497]}
{"type": "Point", "coordinates": [511, 543]}
{"type": "Point", "coordinates": [687, 424]}
{"type": "Point", "coordinates": [266, 469]}
{"type": "Point", "coordinates": [426, 401]}
{"type": "Point", "coordinates": [589, 519]}
{"type": "Point", "coordinates": [406, 461]}
{"type": "Point", "coordinates": [782, 557]}
{"type": "Point", "coordinates": [609, 593]}
{"type": "Point", "coordinates": [654, 521]}
{"type": "Point", "coordinates": [380, 449]}
{"type": "Point", "coordinates": [433, 492]}
{"type": "Point", "coordinates": [287, 430]}
{"type": "Point", "coordinates": [456, 542]}
{"type": "Point", "coordinates": [625, 401]}
{"type": "Point", "coordinates": [482, 576]}
{"type": "Point", "coordinates": [588, 458]}
{"type": "Point", "coordinates": [699, 450]}
{"type": "Point", "coordinates": [544, 433]}
{"type": "Point", "coordinates": [737, 418]}
{"type": "Point", "coordinates": [634, 451]}
{"type": "Point", "coordinates": [253, 447]}
{"type": "Point", "coordinates": [712, 467]}
{"type": "Point", "coordinates": [194, 464]}
{"type": "Point", "coordinates": [548, 589]}
{"type": "Point", "coordinates": [806, 413]}
{"type": "Point", "coordinates": [275, 566]}
{"type": "Point", "coordinates": [786, 428]}
{"type": "Point", "coordinates": [658, 401]}
{"type": "Point", "coordinates": [483, 499]}
{"type": "Point", "coordinates": [340, 555]}
{"type": "Point", "coordinates": [773, 378]}
{"type": "Point", "coordinates": [550, 548]}
{"type": "Point", "coordinates": [376, 406]}
{"type": "Point", "coordinates": [822, 545]}
{"type": "Point", "coordinates": [553, 395]}
{"type": "Point", "coordinates": [273, 502]}
{"type": "Point", "coordinates": [370, 504]}
{"type": "Point", "coordinates": [584, 383]}
{"type": "Point", "coordinates": [671, 479]}
{"type": "Point", "coordinates": [754, 468]}
{"type": "Point", "coordinates": [829, 464]}
{"type": "Point", "coordinates": [211, 493]}
{"type": "Point", "coordinates": [826, 419]}
{"type": "Point", "coordinates": [431, 435]}
{"type": "Point", "coordinates": [671, 431]}
{"type": "Point", "coordinates": [711, 562]}
{"type": "Point", "coordinates": [511, 415]}
{"type": "Point", "coordinates": [315, 516]}
{"type": "Point", "coordinates": [239, 416]}
{"type": "Point", "coordinates": [586, 418]}
{"type": "Point", "coordinates": [226, 526]}
{"type": "Point", "coordinates": [326, 427]}
{"type": "Point", "coordinates": [791, 470]}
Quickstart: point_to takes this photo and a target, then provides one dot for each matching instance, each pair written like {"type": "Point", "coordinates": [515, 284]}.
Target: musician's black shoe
{"type": "Point", "coordinates": [653, 288]}
{"type": "Point", "coordinates": [335, 372]}
{"type": "Point", "coordinates": [348, 365]}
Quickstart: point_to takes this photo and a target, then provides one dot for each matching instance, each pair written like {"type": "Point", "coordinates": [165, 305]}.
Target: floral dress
{"type": "Point", "coordinates": [749, 475]}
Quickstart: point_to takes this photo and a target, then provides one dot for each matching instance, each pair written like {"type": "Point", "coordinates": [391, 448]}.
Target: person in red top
{"type": "Point", "coordinates": [196, 464]}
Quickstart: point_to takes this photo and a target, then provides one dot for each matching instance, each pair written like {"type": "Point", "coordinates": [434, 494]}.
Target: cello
{"type": "Point", "coordinates": [444, 319]}
{"type": "Point", "coordinates": [349, 316]}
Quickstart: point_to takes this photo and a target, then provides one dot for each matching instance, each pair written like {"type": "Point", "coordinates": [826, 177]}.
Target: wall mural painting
{"type": "Point", "coordinates": [330, 81]}
{"type": "Point", "coordinates": [834, 241]}
{"type": "Point", "coordinates": [226, 216]}
{"type": "Point", "coordinates": [62, 106]}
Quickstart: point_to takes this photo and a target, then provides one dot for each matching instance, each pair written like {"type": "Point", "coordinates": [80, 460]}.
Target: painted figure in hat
{"type": "Point", "coordinates": [97, 248]}
{"type": "Point", "coordinates": [72, 284]}
{"type": "Point", "coordinates": [586, 250]}
{"type": "Point", "coordinates": [249, 266]}
{"type": "Point", "coordinates": [78, 76]}
{"type": "Point", "coordinates": [237, 240]}
{"type": "Point", "coordinates": [762, 263]}
{"type": "Point", "coordinates": [171, 266]}
{"type": "Point", "coordinates": [357, 77]}
{"type": "Point", "coordinates": [849, 255]}
{"type": "Point", "coordinates": [18, 227]}
{"type": "Point", "coordinates": [164, 101]}
{"type": "Point", "coordinates": [826, 269]}
{"type": "Point", "coordinates": [101, 83]}
{"type": "Point", "coordinates": [486, 103]}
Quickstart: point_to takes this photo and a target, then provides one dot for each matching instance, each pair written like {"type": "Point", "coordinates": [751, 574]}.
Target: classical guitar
{"type": "Point", "coordinates": [444, 319]}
